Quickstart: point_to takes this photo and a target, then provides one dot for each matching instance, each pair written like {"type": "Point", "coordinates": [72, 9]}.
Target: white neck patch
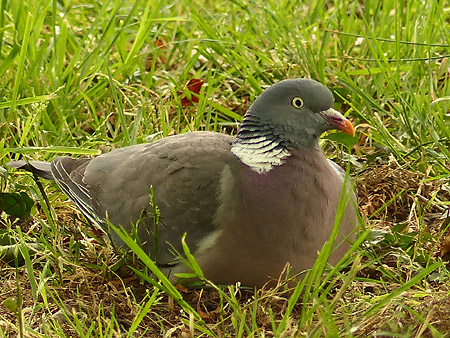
{"type": "Point", "coordinates": [261, 154]}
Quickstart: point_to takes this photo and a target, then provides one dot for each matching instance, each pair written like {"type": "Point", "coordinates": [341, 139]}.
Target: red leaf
{"type": "Point", "coordinates": [161, 45]}
{"type": "Point", "coordinates": [194, 86]}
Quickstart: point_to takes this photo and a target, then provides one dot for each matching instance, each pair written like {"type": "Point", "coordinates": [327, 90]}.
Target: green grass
{"type": "Point", "coordinates": [82, 77]}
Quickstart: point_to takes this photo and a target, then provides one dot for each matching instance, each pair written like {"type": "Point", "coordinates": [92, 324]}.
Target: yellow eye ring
{"type": "Point", "coordinates": [297, 102]}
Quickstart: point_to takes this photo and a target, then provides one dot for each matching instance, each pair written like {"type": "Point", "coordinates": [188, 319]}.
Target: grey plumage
{"type": "Point", "coordinates": [248, 204]}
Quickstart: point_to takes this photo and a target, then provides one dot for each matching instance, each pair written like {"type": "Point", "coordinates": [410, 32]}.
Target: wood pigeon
{"type": "Point", "coordinates": [249, 204]}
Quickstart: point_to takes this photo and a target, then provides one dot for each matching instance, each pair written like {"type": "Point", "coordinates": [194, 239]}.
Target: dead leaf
{"type": "Point", "coordinates": [161, 46]}
{"type": "Point", "coordinates": [194, 86]}
{"type": "Point", "coordinates": [445, 248]}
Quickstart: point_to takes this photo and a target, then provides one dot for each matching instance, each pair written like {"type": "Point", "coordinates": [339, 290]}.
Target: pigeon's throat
{"type": "Point", "coordinates": [260, 159]}
{"type": "Point", "coordinates": [258, 147]}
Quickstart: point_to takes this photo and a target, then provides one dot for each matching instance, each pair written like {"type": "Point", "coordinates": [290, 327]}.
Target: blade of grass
{"type": "Point", "coordinates": [404, 287]}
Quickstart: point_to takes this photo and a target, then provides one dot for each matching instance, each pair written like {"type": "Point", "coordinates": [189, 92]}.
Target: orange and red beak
{"type": "Point", "coordinates": [338, 121]}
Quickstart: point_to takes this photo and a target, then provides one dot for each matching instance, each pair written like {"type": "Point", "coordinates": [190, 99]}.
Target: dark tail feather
{"type": "Point", "coordinates": [39, 168]}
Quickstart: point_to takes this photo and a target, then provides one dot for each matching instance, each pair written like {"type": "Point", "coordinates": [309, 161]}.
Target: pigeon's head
{"type": "Point", "coordinates": [298, 111]}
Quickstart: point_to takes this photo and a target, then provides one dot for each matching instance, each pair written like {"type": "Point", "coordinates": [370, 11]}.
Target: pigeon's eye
{"type": "Point", "coordinates": [297, 102]}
